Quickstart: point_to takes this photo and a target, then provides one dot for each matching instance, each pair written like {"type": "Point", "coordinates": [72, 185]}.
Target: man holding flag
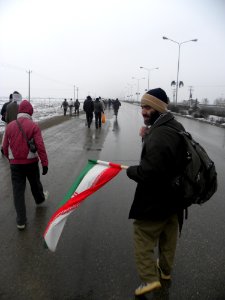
{"type": "Point", "coordinates": [155, 208]}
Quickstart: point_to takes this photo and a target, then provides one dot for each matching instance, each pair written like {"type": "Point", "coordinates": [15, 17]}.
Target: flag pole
{"type": "Point", "coordinates": [106, 163]}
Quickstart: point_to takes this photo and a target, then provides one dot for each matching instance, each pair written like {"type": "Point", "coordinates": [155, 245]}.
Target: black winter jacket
{"type": "Point", "coordinates": [161, 161]}
{"type": "Point", "coordinates": [88, 106]}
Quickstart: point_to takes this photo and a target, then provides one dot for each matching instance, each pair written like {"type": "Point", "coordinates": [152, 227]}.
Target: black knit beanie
{"type": "Point", "coordinates": [160, 94]}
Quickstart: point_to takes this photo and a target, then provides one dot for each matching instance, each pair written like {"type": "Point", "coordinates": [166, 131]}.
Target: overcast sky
{"type": "Point", "coordinates": [99, 45]}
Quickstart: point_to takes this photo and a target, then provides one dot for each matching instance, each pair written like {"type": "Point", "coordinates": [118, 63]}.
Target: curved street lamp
{"type": "Point", "coordinates": [149, 70]}
{"type": "Point", "coordinates": [178, 64]}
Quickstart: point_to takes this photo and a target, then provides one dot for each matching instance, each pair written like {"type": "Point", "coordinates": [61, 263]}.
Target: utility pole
{"type": "Point", "coordinates": [174, 94]}
{"type": "Point", "coordinates": [74, 90]}
{"type": "Point", "coordinates": [29, 84]}
{"type": "Point", "coordinates": [190, 95]}
{"type": "Point", "coordinates": [77, 92]}
{"type": "Point", "coordinates": [190, 92]}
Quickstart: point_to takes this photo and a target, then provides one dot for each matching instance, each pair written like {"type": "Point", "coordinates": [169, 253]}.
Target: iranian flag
{"type": "Point", "coordinates": [93, 177]}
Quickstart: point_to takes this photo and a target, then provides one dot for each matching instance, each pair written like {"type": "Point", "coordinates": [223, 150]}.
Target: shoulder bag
{"type": "Point", "coordinates": [30, 143]}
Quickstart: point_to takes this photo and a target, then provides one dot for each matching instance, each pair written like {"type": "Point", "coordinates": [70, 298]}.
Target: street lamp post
{"type": "Point", "coordinates": [74, 92]}
{"type": "Point", "coordinates": [77, 92]}
{"type": "Point", "coordinates": [130, 91]}
{"type": "Point", "coordinates": [138, 79]}
{"type": "Point", "coordinates": [178, 63]}
{"type": "Point", "coordinates": [149, 70]}
{"type": "Point", "coordinates": [29, 84]}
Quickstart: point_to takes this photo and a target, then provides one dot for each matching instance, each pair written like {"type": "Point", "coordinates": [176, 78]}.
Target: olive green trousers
{"type": "Point", "coordinates": [150, 236]}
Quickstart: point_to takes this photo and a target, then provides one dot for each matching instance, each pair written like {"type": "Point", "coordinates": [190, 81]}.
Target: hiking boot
{"type": "Point", "coordinates": [147, 287]}
{"type": "Point", "coordinates": [162, 274]}
{"type": "Point", "coordinates": [21, 227]}
{"type": "Point", "coordinates": [46, 194]}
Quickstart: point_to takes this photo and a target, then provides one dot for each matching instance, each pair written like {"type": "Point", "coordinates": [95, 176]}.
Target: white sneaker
{"type": "Point", "coordinates": [147, 287]}
{"type": "Point", "coordinates": [46, 194]}
{"type": "Point", "coordinates": [21, 227]}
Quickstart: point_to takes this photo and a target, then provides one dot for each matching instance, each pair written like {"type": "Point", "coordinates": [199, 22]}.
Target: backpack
{"type": "Point", "coordinates": [198, 181]}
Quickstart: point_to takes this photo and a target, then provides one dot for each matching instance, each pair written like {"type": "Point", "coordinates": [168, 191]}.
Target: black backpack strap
{"type": "Point", "coordinates": [182, 214]}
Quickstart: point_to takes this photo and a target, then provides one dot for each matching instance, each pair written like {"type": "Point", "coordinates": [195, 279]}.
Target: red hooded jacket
{"type": "Point", "coordinates": [15, 145]}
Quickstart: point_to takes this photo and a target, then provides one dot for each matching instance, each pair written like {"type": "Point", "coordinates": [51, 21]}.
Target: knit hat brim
{"type": "Point", "coordinates": [154, 102]}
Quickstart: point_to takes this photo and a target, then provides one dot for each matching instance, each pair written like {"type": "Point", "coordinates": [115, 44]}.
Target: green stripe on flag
{"type": "Point", "coordinates": [86, 169]}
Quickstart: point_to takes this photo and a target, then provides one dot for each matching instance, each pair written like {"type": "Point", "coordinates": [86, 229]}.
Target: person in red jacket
{"type": "Point", "coordinates": [24, 163]}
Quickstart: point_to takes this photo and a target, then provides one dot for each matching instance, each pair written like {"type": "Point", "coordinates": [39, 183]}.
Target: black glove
{"type": "Point", "coordinates": [44, 170]}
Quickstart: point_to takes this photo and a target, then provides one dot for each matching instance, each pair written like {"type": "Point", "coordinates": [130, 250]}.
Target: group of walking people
{"type": "Point", "coordinates": [70, 105]}
{"type": "Point", "coordinates": [97, 108]}
{"type": "Point", "coordinates": [93, 107]}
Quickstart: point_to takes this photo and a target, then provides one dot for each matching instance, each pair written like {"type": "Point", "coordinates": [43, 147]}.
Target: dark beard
{"type": "Point", "coordinates": [154, 116]}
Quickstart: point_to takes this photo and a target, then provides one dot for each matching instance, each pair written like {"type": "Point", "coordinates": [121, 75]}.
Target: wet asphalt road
{"type": "Point", "coordinates": [94, 258]}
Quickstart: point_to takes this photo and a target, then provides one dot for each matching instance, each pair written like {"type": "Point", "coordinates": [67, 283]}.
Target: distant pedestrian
{"type": "Point", "coordinates": [3, 110]}
{"type": "Point", "coordinates": [23, 162]}
{"type": "Point", "coordinates": [12, 107]}
{"type": "Point", "coordinates": [156, 208]}
{"type": "Point", "coordinates": [109, 103]}
{"type": "Point", "coordinates": [76, 107]}
{"type": "Point", "coordinates": [98, 110]}
{"type": "Point", "coordinates": [71, 106]}
{"type": "Point", "coordinates": [65, 105]}
{"type": "Point", "coordinates": [116, 106]}
{"type": "Point", "coordinates": [3, 114]}
{"type": "Point", "coordinates": [88, 107]}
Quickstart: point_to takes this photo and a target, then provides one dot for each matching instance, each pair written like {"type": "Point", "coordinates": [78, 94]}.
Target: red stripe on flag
{"type": "Point", "coordinates": [75, 200]}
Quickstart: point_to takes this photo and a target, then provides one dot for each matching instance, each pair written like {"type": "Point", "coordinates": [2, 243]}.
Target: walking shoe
{"type": "Point", "coordinates": [163, 275]}
{"type": "Point", "coordinates": [147, 287]}
{"type": "Point", "coordinates": [46, 194]}
{"type": "Point", "coordinates": [21, 227]}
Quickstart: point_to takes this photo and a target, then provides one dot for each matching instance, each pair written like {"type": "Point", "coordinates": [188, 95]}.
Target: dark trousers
{"type": "Point", "coordinates": [19, 173]}
{"type": "Point", "coordinates": [98, 119]}
{"type": "Point", "coordinates": [89, 117]}
{"type": "Point", "coordinates": [65, 110]}
{"type": "Point", "coordinates": [77, 111]}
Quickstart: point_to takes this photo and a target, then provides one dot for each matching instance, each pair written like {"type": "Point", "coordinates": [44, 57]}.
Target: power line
{"type": "Point", "coordinates": [9, 66]}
